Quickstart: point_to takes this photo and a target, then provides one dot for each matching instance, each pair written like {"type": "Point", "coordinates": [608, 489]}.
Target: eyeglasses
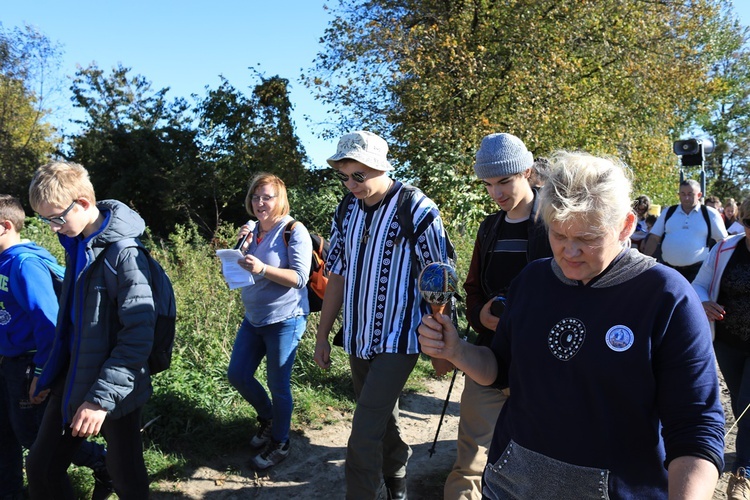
{"type": "Point", "coordinates": [59, 219]}
{"type": "Point", "coordinates": [265, 198]}
{"type": "Point", "coordinates": [358, 177]}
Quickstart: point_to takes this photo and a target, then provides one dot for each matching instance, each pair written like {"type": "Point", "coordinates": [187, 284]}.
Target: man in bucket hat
{"type": "Point", "coordinates": [371, 276]}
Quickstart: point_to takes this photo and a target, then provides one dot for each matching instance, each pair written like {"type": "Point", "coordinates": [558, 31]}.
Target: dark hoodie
{"type": "Point", "coordinates": [103, 345]}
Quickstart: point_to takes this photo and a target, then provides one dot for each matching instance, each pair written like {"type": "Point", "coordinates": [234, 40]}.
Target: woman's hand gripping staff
{"type": "Point", "coordinates": [437, 284]}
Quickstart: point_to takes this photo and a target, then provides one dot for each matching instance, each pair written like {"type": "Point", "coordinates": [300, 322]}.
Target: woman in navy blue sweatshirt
{"type": "Point", "coordinates": [611, 396]}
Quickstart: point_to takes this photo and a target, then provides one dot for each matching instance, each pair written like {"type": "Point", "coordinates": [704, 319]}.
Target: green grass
{"type": "Point", "coordinates": [199, 415]}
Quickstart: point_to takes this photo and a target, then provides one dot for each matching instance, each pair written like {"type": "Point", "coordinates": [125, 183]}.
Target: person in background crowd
{"type": "Point", "coordinates": [538, 172]}
{"type": "Point", "coordinates": [371, 276]}
{"type": "Point", "coordinates": [641, 206]}
{"type": "Point", "coordinates": [685, 231]}
{"type": "Point", "coordinates": [506, 241]}
{"type": "Point", "coordinates": [276, 309]}
{"type": "Point", "coordinates": [603, 403]}
{"type": "Point", "coordinates": [723, 285]}
{"type": "Point", "coordinates": [730, 217]}
{"type": "Point", "coordinates": [714, 202]}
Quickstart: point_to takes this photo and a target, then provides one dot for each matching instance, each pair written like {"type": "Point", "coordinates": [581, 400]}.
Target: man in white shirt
{"type": "Point", "coordinates": [685, 231]}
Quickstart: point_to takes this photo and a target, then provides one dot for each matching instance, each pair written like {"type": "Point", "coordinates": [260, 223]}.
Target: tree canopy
{"type": "Point", "coordinates": [27, 59]}
{"type": "Point", "coordinates": [174, 163]}
{"type": "Point", "coordinates": [621, 77]}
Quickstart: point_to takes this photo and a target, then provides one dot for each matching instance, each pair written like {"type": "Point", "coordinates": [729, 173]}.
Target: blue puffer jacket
{"type": "Point", "coordinates": [104, 345]}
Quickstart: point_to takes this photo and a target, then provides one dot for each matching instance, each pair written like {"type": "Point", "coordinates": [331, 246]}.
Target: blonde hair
{"type": "Point", "coordinates": [583, 186]}
{"type": "Point", "coordinates": [60, 183]}
{"type": "Point", "coordinates": [282, 201]}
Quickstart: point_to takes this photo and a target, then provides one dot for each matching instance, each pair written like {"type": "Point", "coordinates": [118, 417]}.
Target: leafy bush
{"type": "Point", "coordinates": [194, 412]}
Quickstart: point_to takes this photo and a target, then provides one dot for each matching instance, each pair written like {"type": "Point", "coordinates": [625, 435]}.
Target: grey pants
{"type": "Point", "coordinates": [375, 449]}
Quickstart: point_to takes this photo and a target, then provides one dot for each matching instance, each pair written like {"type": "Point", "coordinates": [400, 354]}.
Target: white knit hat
{"type": "Point", "coordinates": [364, 147]}
{"type": "Point", "coordinates": [501, 155]}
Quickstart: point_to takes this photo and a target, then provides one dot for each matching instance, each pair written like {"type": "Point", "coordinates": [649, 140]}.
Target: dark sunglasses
{"type": "Point", "coordinates": [59, 219]}
{"type": "Point", "coordinates": [358, 177]}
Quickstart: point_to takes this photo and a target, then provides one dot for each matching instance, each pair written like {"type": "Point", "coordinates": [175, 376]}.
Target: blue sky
{"type": "Point", "coordinates": [187, 44]}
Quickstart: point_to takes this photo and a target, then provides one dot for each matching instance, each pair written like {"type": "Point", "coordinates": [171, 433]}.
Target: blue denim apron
{"type": "Point", "coordinates": [524, 474]}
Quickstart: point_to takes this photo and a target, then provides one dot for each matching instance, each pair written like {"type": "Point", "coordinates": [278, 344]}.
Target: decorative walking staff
{"type": "Point", "coordinates": [437, 284]}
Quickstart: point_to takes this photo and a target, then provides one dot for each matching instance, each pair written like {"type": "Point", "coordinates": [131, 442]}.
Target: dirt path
{"type": "Point", "coordinates": [314, 470]}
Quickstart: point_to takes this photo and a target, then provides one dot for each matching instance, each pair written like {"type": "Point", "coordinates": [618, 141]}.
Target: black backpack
{"type": "Point", "coordinates": [318, 280]}
{"type": "Point", "coordinates": [164, 301]}
{"type": "Point", "coordinates": [704, 211]}
{"type": "Point", "coordinates": [404, 204]}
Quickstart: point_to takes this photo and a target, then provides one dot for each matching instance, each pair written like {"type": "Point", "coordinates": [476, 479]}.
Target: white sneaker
{"type": "Point", "coordinates": [273, 454]}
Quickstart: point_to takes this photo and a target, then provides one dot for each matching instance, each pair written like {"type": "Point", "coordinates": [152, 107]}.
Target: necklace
{"type": "Point", "coordinates": [366, 235]}
{"type": "Point", "coordinates": [262, 232]}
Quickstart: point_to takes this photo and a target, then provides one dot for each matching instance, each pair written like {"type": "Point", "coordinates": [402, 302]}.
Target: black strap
{"type": "Point", "coordinates": [488, 232]}
{"type": "Point", "coordinates": [286, 236]}
{"type": "Point", "coordinates": [704, 210]}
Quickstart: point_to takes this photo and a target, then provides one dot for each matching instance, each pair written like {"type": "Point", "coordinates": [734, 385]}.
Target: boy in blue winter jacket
{"type": "Point", "coordinates": [97, 369]}
{"type": "Point", "coordinates": [28, 310]}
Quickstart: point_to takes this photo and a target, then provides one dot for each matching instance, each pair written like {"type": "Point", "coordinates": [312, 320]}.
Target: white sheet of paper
{"type": "Point", "coordinates": [235, 275]}
{"type": "Point", "coordinates": [736, 228]}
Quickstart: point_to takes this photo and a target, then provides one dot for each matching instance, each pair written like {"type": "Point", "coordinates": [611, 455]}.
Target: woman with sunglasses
{"type": "Point", "coordinates": [723, 285]}
{"type": "Point", "coordinates": [276, 310]}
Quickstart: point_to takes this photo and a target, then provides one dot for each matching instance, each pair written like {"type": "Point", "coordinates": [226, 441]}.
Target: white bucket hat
{"type": "Point", "coordinates": [365, 147]}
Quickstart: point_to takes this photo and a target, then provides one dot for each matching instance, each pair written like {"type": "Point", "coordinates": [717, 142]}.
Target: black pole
{"type": "Point", "coordinates": [445, 407]}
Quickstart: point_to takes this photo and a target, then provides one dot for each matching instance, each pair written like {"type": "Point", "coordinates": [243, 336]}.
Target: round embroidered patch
{"type": "Point", "coordinates": [566, 338]}
{"type": "Point", "coordinates": [619, 338]}
{"type": "Point", "coordinates": [4, 317]}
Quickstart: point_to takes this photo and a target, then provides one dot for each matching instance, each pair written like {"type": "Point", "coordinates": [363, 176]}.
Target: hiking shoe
{"type": "Point", "coordinates": [739, 486]}
{"type": "Point", "coordinates": [263, 435]}
{"type": "Point", "coordinates": [273, 454]}
{"type": "Point", "coordinates": [103, 487]}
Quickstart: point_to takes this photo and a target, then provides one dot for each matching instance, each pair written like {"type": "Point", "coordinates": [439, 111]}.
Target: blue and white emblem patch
{"type": "Point", "coordinates": [4, 317]}
{"type": "Point", "coordinates": [619, 338]}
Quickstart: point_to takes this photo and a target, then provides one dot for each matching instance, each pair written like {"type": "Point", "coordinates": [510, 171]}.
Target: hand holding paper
{"type": "Point", "coordinates": [235, 275]}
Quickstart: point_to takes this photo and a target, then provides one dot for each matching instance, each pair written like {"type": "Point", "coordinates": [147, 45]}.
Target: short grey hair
{"type": "Point", "coordinates": [582, 186]}
{"type": "Point", "coordinates": [694, 185]}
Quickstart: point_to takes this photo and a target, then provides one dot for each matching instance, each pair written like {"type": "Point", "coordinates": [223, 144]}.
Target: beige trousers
{"type": "Point", "coordinates": [480, 407]}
